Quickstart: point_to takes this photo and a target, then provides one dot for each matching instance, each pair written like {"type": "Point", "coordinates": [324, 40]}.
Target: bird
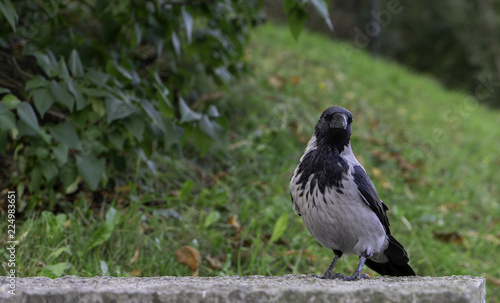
{"type": "Point", "coordinates": [339, 204]}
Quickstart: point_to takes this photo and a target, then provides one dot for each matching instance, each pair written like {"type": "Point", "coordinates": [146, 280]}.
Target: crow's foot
{"type": "Point", "coordinates": [357, 276]}
{"type": "Point", "coordinates": [329, 275]}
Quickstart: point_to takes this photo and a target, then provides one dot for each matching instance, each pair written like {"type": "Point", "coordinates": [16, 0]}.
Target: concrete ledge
{"type": "Point", "coordinates": [290, 288]}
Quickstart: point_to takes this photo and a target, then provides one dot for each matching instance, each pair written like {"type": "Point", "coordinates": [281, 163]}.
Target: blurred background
{"type": "Point", "coordinates": [152, 138]}
{"type": "Point", "coordinates": [457, 42]}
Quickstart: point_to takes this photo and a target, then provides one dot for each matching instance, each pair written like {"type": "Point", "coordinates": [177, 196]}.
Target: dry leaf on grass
{"type": "Point", "coordinates": [276, 81]}
{"type": "Point", "coordinates": [189, 256]}
{"type": "Point", "coordinates": [492, 280]}
{"type": "Point", "coordinates": [449, 237]}
{"type": "Point", "coordinates": [135, 257]}
{"type": "Point", "coordinates": [136, 272]}
{"type": "Point", "coordinates": [295, 80]}
{"type": "Point", "coordinates": [214, 262]}
{"type": "Point", "coordinates": [233, 221]}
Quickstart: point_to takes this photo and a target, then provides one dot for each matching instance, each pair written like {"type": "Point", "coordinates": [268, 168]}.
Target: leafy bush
{"type": "Point", "coordinates": [86, 82]}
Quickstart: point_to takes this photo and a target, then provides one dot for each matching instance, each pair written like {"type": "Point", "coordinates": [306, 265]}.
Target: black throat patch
{"type": "Point", "coordinates": [327, 166]}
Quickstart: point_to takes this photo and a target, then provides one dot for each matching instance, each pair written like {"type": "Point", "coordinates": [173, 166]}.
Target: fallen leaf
{"type": "Point", "coordinates": [213, 262]}
{"type": "Point", "coordinates": [449, 237]}
{"type": "Point", "coordinates": [233, 221]}
{"type": "Point", "coordinates": [67, 224]}
{"type": "Point", "coordinates": [276, 81]}
{"type": "Point", "coordinates": [295, 80]}
{"type": "Point", "coordinates": [136, 272]}
{"type": "Point", "coordinates": [189, 256]}
{"type": "Point", "coordinates": [492, 280]}
{"type": "Point", "coordinates": [124, 189]}
{"type": "Point", "coordinates": [135, 257]}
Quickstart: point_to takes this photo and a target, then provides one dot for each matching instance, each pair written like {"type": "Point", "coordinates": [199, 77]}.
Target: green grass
{"type": "Point", "coordinates": [432, 154]}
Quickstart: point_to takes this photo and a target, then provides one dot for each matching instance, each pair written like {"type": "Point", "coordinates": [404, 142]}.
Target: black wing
{"type": "Point", "coordinates": [395, 252]}
{"type": "Point", "coordinates": [369, 194]}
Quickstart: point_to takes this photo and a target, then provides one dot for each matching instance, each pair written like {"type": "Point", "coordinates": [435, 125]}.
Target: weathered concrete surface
{"type": "Point", "coordinates": [290, 288]}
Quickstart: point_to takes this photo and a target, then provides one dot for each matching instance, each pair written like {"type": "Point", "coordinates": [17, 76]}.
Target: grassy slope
{"type": "Point", "coordinates": [432, 154]}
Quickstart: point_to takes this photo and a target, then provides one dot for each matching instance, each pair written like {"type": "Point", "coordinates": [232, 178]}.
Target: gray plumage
{"type": "Point", "coordinates": [339, 204]}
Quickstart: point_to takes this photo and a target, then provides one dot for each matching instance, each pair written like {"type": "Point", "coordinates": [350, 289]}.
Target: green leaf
{"type": "Point", "coordinates": [75, 65]}
{"type": "Point", "coordinates": [117, 109]}
{"type": "Point", "coordinates": [115, 69]}
{"type": "Point", "coordinates": [136, 35]}
{"type": "Point", "coordinates": [112, 217]}
{"type": "Point", "coordinates": [103, 233]}
{"type": "Point", "coordinates": [211, 129]}
{"type": "Point", "coordinates": [279, 228]}
{"type": "Point", "coordinates": [41, 153]}
{"type": "Point", "coordinates": [296, 17]}
{"type": "Point", "coordinates": [23, 129]}
{"type": "Point", "coordinates": [321, 7]}
{"type": "Point", "coordinates": [116, 138]}
{"type": "Point", "coordinates": [59, 252]}
{"type": "Point", "coordinates": [27, 115]}
{"type": "Point", "coordinates": [97, 77]}
{"type": "Point", "coordinates": [36, 82]}
{"type": "Point", "coordinates": [35, 180]}
{"type": "Point", "coordinates": [11, 101]}
{"type": "Point", "coordinates": [91, 169]}
{"type": "Point", "coordinates": [212, 217]}
{"type": "Point", "coordinates": [95, 92]}
{"type": "Point", "coordinates": [69, 177]}
{"type": "Point", "coordinates": [213, 112]}
{"type": "Point", "coordinates": [62, 95]}
{"type": "Point", "coordinates": [43, 100]}
{"type": "Point", "coordinates": [174, 133]}
{"type": "Point", "coordinates": [4, 90]}
{"type": "Point", "coordinates": [176, 43]}
{"type": "Point", "coordinates": [104, 268]}
{"type": "Point", "coordinates": [187, 114]}
{"type": "Point", "coordinates": [202, 141]}
{"type": "Point", "coordinates": [154, 115]}
{"type": "Point", "coordinates": [49, 170]}
{"type": "Point", "coordinates": [223, 74]}
{"type": "Point", "coordinates": [59, 268]}
{"type": "Point", "coordinates": [62, 70]}
{"type": "Point", "coordinates": [60, 153]}
{"type": "Point", "coordinates": [8, 11]}
{"type": "Point", "coordinates": [65, 133]}
{"type": "Point", "coordinates": [186, 189]}
{"type": "Point", "coordinates": [188, 23]}
{"type": "Point", "coordinates": [7, 118]}
{"type": "Point", "coordinates": [80, 100]}
{"type": "Point", "coordinates": [46, 64]}
{"type": "Point", "coordinates": [135, 125]}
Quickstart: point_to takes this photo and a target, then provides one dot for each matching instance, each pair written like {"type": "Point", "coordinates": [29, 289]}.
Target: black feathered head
{"type": "Point", "coordinates": [334, 127]}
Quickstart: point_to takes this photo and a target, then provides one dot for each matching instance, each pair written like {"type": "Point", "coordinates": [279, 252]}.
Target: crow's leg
{"type": "Point", "coordinates": [329, 272]}
{"type": "Point", "coordinates": [357, 273]}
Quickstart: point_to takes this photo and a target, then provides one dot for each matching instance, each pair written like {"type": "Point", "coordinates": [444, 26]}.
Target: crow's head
{"type": "Point", "coordinates": [334, 127]}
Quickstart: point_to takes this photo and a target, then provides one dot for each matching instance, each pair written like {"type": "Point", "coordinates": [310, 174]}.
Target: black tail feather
{"type": "Point", "coordinates": [398, 261]}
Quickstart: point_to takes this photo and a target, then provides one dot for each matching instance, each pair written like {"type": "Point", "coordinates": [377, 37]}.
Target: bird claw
{"type": "Point", "coordinates": [330, 276]}
{"type": "Point", "coordinates": [357, 276]}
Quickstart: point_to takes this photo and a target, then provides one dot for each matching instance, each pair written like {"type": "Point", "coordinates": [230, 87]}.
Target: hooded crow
{"type": "Point", "coordinates": [339, 203]}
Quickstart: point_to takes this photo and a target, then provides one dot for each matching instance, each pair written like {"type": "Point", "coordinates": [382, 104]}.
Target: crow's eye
{"type": "Point", "coordinates": [328, 117]}
{"type": "Point", "coordinates": [349, 120]}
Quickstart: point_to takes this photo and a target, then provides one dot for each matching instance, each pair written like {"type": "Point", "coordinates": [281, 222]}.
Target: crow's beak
{"type": "Point", "coordinates": [339, 121]}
